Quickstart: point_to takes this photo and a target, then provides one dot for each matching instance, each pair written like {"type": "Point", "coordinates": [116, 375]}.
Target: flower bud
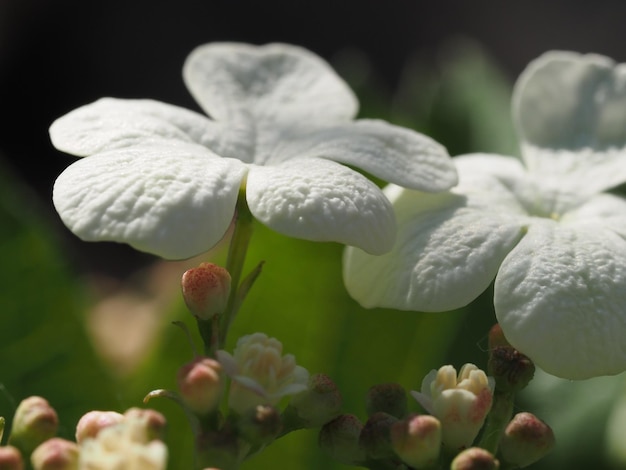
{"type": "Point", "coordinates": [417, 440]}
{"type": "Point", "coordinates": [260, 374]}
{"type": "Point", "coordinates": [475, 458]}
{"type": "Point", "coordinates": [206, 290]}
{"type": "Point", "coordinates": [319, 403]}
{"type": "Point", "coordinates": [260, 426]}
{"type": "Point", "coordinates": [461, 403]}
{"type": "Point", "coordinates": [200, 384]}
{"type": "Point", "coordinates": [127, 444]}
{"type": "Point", "coordinates": [55, 454]}
{"type": "Point", "coordinates": [511, 369]}
{"type": "Point", "coordinates": [35, 421]}
{"type": "Point", "coordinates": [340, 439]}
{"type": "Point", "coordinates": [90, 424]}
{"type": "Point", "coordinates": [526, 440]}
{"type": "Point", "coordinates": [386, 398]}
{"type": "Point", "coordinates": [375, 437]}
{"type": "Point", "coordinates": [10, 458]}
{"type": "Point", "coordinates": [153, 422]}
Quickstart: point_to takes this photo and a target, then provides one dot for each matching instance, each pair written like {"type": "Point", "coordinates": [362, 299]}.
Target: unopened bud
{"type": "Point", "coordinates": [260, 425]}
{"type": "Point", "coordinates": [319, 403]}
{"type": "Point", "coordinates": [206, 290]}
{"type": "Point", "coordinates": [200, 384]}
{"type": "Point", "coordinates": [511, 369]}
{"type": "Point", "coordinates": [10, 458]}
{"type": "Point", "coordinates": [35, 421]}
{"type": "Point", "coordinates": [475, 458]}
{"type": "Point", "coordinates": [90, 424]}
{"type": "Point", "coordinates": [153, 421]}
{"type": "Point", "coordinates": [375, 437]}
{"type": "Point", "coordinates": [460, 402]}
{"type": "Point", "coordinates": [526, 440]}
{"type": "Point", "coordinates": [340, 439]}
{"type": "Point", "coordinates": [417, 440]}
{"type": "Point", "coordinates": [55, 454]}
{"type": "Point", "coordinates": [387, 398]}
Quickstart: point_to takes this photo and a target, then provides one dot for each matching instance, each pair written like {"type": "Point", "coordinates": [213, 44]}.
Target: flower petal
{"type": "Point", "coordinates": [321, 200]}
{"type": "Point", "coordinates": [173, 201]}
{"type": "Point", "coordinates": [449, 245]}
{"type": "Point", "coordinates": [275, 83]}
{"type": "Point", "coordinates": [560, 299]}
{"type": "Point", "coordinates": [389, 152]}
{"type": "Point", "coordinates": [111, 123]}
{"type": "Point", "coordinates": [570, 110]}
{"type": "Point", "coordinates": [604, 209]}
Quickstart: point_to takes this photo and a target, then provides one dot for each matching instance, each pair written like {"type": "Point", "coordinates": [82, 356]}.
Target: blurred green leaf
{"type": "Point", "coordinates": [43, 346]}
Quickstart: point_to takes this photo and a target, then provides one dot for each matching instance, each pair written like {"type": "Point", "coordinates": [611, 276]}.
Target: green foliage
{"type": "Point", "coordinates": [43, 346]}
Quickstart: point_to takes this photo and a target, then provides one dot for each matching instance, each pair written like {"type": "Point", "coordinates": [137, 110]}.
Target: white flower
{"type": "Point", "coordinates": [165, 180]}
{"type": "Point", "coordinates": [260, 374]}
{"type": "Point", "coordinates": [542, 227]}
{"type": "Point", "coordinates": [460, 402]}
{"type": "Point", "coordinates": [127, 445]}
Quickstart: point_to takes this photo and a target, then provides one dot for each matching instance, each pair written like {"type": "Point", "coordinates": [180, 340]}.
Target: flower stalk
{"type": "Point", "coordinates": [234, 264]}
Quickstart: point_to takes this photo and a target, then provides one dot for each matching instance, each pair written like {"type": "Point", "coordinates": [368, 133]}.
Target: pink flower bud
{"type": "Point", "coordinates": [35, 421]}
{"type": "Point", "coordinates": [475, 458]}
{"type": "Point", "coordinates": [153, 422]}
{"type": "Point", "coordinates": [200, 384]}
{"type": "Point", "coordinates": [340, 439]}
{"type": "Point", "coordinates": [206, 290]}
{"type": "Point", "coordinates": [90, 424]}
{"type": "Point", "coordinates": [417, 440]}
{"type": "Point", "coordinates": [526, 440]}
{"type": "Point", "coordinates": [55, 454]}
{"type": "Point", "coordinates": [10, 458]}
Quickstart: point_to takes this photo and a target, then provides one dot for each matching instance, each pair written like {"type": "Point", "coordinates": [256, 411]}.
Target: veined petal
{"type": "Point", "coordinates": [276, 82]}
{"type": "Point", "coordinates": [175, 202]}
{"type": "Point", "coordinates": [604, 209]}
{"type": "Point", "coordinates": [389, 152]}
{"type": "Point", "coordinates": [570, 110]}
{"type": "Point", "coordinates": [111, 123]}
{"type": "Point", "coordinates": [560, 299]}
{"type": "Point", "coordinates": [321, 200]}
{"type": "Point", "coordinates": [449, 245]}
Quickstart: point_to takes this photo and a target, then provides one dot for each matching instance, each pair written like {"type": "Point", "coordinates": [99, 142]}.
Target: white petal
{"type": "Point", "coordinates": [276, 82]}
{"type": "Point", "coordinates": [449, 245]}
{"type": "Point", "coordinates": [560, 299]}
{"type": "Point", "coordinates": [111, 123]}
{"type": "Point", "coordinates": [175, 202]}
{"type": "Point", "coordinates": [570, 110]}
{"type": "Point", "coordinates": [389, 152]}
{"type": "Point", "coordinates": [604, 209]}
{"type": "Point", "coordinates": [321, 200]}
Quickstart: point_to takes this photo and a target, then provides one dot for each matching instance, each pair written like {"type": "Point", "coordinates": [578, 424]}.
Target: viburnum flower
{"type": "Point", "coordinates": [166, 180]}
{"type": "Point", "coordinates": [546, 227]}
{"type": "Point", "coordinates": [127, 444]}
{"type": "Point", "coordinates": [460, 402]}
{"type": "Point", "coordinates": [260, 373]}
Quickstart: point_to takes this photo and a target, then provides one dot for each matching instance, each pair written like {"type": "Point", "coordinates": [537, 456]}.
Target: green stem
{"type": "Point", "coordinates": [236, 258]}
{"type": "Point", "coordinates": [498, 418]}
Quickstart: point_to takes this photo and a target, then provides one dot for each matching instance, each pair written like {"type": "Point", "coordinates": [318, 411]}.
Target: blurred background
{"type": "Point", "coordinates": [86, 324]}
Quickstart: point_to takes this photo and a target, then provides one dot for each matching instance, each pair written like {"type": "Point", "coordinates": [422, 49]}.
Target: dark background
{"type": "Point", "coordinates": [56, 55]}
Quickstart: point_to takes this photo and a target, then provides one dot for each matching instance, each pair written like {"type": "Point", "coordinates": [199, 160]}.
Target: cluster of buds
{"type": "Point", "coordinates": [105, 440]}
{"type": "Point", "coordinates": [457, 407]}
{"type": "Point", "coordinates": [258, 377]}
